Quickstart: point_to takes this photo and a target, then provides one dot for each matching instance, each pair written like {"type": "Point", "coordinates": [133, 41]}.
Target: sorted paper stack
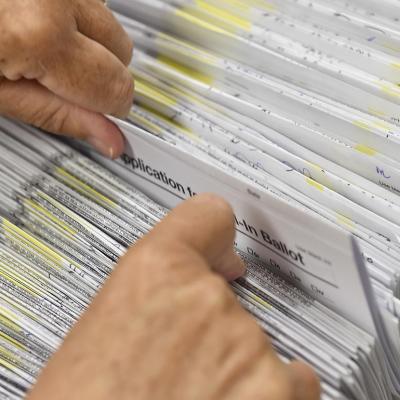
{"type": "Point", "coordinates": [65, 220]}
{"type": "Point", "coordinates": [299, 99]}
{"type": "Point", "coordinates": [290, 110]}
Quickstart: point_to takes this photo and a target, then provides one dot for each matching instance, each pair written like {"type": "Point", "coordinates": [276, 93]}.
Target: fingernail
{"type": "Point", "coordinates": [101, 146]}
{"type": "Point", "coordinates": [239, 270]}
{"type": "Point", "coordinates": [233, 267]}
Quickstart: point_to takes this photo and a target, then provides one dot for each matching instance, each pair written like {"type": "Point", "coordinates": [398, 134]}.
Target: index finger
{"type": "Point", "coordinates": [86, 74]}
{"type": "Point", "coordinates": [97, 22]}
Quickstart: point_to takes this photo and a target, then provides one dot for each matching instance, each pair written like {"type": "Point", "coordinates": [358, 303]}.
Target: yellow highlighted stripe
{"type": "Point", "coordinates": [201, 23]}
{"type": "Point", "coordinates": [224, 15]}
{"type": "Point", "coordinates": [315, 184]}
{"type": "Point", "coordinates": [187, 71]}
{"type": "Point", "coordinates": [369, 151]}
{"type": "Point", "coordinates": [82, 187]}
{"type": "Point", "coordinates": [342, 219]}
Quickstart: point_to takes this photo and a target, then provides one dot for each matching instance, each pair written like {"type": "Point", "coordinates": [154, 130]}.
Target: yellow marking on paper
{"type": "Point", "coordinates": [83, 187]}
{"type": "Point", "coordinates": [391, 47]}
{"type": "Point", "coordinates": [218, 12]}
{"type": "Point", "coordinates": [325, 181]}
{"type": "Point", "coordinates": [12, 341]}
{"type": "Point", "coordinates": [382, 124]}
{"type": "Point", "coordinates": [247, 5]}
{"type": "Point", "coordinates": [191, 97]}
{"type": "Point", "coordinates": [258, 299]}
{"type": "Point", "coordinates": [16, 266]}
{"type": "Point", "coordinates": [9, 314]}
{"type": "Point", "coordinates": [190, 133]}
{"type": "Point", "coordinates": [188, 49]}
{"type": "Point", "coordinates": [238, 5]}
{"type": "Point", "coordinates": [187, 71]}
{"type": "Point", "coordinates": [155, 129]}
{"type": "Point", "coordinates": [171, 122]}
{"type": "Point", "coordinates": [9, 319]}
{"type": "Point", "coordinates": [10, 324]}
{"type": "Point", "coordinates": [47, 224]}
{"type": "Point", "coordinates": [154, 94]}
{"type": "Point", "coordinates": [362, 148]}
{"type": "Point", "coordinates": [21, 242]}
{"type": "Point", "coordinates": [7, 354]}
{"type": "Point", "coordinates": [203, 24]}
{"type": "Point", "coordinates": [6, 275]}
{"type": "Point", "coordinates": [345, 220]}
{"type": "Point", "coordinates": [315, 184]}
{"type": "Point", "coordinates": [186, 96]}
{"type": "Point", "coordinates": [22, 309]}
{"type": "Point", "coordinates": [375, 112]}
{"type": "Point", "coordinates": [362, 125]}
{"type": "Point", "coordinates": [6, 364]}
{"type": "Point", "coordinates": [391, 90]}
{"type": "Point", "coordinates": [316, 166]}
{"type": "Point", "coordinates": [49, 215]}
{"type": "Point", "coordinates": [264, 5]}
{"type": "Point", "coordinates": [181, 94]}
{"type": "Point", "coordinates": [371, 125]}
{"type": "Point", "coordinates": [41, 248]}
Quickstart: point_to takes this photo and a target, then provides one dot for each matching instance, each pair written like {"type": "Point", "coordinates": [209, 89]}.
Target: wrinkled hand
{"type": "Point", "coordinates": [167, 326]}
{"type": "Point", "coordinates": [62, 66]}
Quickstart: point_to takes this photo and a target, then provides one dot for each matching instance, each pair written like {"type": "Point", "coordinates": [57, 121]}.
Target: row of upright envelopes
{"type": "Point", "coordinates": [299, 97]}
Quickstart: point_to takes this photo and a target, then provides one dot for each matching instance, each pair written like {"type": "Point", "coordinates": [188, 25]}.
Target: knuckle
{"type": "Point", "coordinates": [124, 93]}
{"type": "Point", "coordinates": [12, 74]}
{"type": "Point", "coordinates": [51, 118]}
{"type": "Point", "coordinates": [160, 255]}
{"type": "Point", "coordinates": [167, 263]}
{"type": "Point", "coordinates": [31, 34]}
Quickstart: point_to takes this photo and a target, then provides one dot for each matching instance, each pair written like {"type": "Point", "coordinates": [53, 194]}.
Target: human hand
{"type": "Point", "coordinates": [62, 66]}
{"type": "Point", "coordinates": [167, 326]}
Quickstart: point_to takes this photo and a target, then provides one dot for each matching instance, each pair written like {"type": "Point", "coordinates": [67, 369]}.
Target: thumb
{"type": "Point", "coordinates": [204, 224]}
{"type": "Point", "coordinates": [32, 103]}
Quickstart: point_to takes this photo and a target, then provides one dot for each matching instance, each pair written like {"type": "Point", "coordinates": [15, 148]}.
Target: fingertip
{"type": "Point", "coordinates": [218, 207]}
{"type": "Point", "coordinates": [106, 88]}
{"type": "Point", "coordinates": [129, 52]}
{"type": "Point", "coordinates": [215, 212]}
{"type": "Point", "coordinates": [36, 105]}
{"type": "Point", "coordinates": [102, 26]}
{"type": "Point", "coordinates": [106, 137]}
{"type": "Point", "coordinates": [117, 142]}
{"type": "Point", "coordinates": [233, 267]}
{"type": "Point", "coordinates": [214, 200]}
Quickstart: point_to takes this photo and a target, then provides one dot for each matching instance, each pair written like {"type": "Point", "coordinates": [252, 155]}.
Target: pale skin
{"type": "Point", "coordinates": [166, 324]}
